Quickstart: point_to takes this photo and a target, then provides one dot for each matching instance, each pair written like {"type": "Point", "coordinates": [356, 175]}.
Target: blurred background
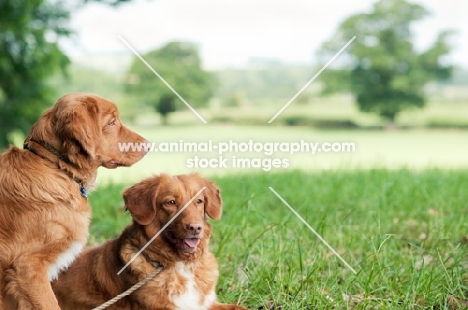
{"type": "Point", "coordinates": [398, 91]}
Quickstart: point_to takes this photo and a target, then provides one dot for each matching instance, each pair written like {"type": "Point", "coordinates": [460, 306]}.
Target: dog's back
{"type": "Point", "coordinates": [91, 280]}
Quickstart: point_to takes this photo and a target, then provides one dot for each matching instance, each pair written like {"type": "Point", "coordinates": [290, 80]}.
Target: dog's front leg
{"type": "Point", "coordinates": [27, 283]}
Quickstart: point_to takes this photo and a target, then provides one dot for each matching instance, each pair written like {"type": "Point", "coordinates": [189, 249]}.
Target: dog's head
{"type": "Point", "coordinates": [86, 129]}
{"type": "Point", "coordinates": [156, 201]}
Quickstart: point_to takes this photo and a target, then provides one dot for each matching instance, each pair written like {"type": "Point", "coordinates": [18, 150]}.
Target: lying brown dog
{"type": "Point", "coordinates": [190, 271]}
{"type": "Point", "coordinates": [44, 212]}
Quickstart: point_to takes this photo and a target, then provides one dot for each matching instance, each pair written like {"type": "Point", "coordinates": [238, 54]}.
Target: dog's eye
{"type": "Point", "coordinates": [199, 201]}
{"type": "Point", "coordinates": [171, 202]}
{"type": "Point", "coordinates": [112, 122]}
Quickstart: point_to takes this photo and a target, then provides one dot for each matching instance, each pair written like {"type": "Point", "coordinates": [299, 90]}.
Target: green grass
{"type": "Point", "coordinates": [415, 149]}
{"type": "Point", "coordinates": [405, 233]}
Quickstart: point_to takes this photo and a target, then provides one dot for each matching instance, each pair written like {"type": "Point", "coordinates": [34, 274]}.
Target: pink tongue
{"type": "Point", "coordinates": [192, 242]}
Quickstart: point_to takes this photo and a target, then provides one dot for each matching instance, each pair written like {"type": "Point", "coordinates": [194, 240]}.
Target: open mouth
{"type": "Point", "coordinates": [114, 164]}
{"type": "Point", "coordinates": [185, 244]}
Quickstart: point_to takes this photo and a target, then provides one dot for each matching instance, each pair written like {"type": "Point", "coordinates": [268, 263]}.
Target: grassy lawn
{"type": "Point", "coordinates": [405, 232]}
{"type": "Point", "coordinates": [415, 149]}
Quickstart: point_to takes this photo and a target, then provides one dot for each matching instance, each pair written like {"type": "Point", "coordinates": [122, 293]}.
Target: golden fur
{"type": "Point", "coordinates": [190, 271]}
{"type": "Point", "coordinates": [44, 217]}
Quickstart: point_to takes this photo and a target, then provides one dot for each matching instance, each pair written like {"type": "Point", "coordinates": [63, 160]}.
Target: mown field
{"type": "Point", "coordinates": [404, 231]}
{"type": "Point", "coordinates": [325, 113]}
{"type": "Point", "coordinates": [392, 149]}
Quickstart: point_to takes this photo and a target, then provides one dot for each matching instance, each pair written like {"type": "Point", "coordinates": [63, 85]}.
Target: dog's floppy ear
{"type": "Point", "coordinates": [140, 200]}
{"type": "Point", "coordinates": [213, 201]}
{"type": "Point", "coordinates": [77, 125]}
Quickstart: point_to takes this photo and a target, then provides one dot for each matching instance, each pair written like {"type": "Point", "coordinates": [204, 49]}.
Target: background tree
{"type": "Point", "coordinates": [180, 65]}
{"type": "Point", "coordinates": [381, 67]}
{"type": "Point", "coordinates": [29, 54]}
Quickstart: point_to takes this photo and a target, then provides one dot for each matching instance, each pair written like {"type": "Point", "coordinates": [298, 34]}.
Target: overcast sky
{"type": "Point", "coordinates": [230, 32]}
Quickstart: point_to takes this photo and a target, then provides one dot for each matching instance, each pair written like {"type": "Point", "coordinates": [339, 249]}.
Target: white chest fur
{"type": "Point", "coordinates": [191, 298]}
{"type": "Point", "coordinates": [64, 260]}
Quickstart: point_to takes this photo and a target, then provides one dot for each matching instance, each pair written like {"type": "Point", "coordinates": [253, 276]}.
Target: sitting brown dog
{"type": "Point", "coordinates": [190, 271]}
{"type": "Point", "coordinates": [44, 210]}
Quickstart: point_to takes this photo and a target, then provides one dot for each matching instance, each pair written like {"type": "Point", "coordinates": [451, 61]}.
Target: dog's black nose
{"type": "Point", "coordinates": [195, 228]}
